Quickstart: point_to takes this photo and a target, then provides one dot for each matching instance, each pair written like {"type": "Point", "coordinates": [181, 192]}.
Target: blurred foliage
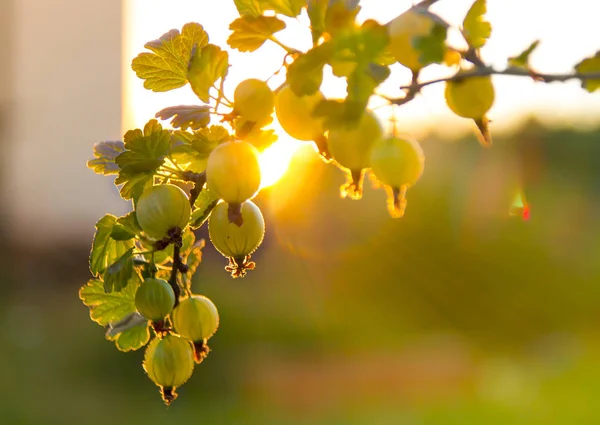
{"type": "Point", "coordinates": [463, 312]}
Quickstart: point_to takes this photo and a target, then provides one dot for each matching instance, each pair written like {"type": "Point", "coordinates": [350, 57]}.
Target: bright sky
{"type": "Point", "coordinates": [564, 28]}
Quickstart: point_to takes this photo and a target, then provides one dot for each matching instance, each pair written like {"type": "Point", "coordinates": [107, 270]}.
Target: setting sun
{"type": "Point", "coordinates": [275, 160]}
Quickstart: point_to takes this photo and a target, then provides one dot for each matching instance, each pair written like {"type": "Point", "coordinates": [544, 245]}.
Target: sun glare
{"type": "Point", "coordinates": [275, 160]}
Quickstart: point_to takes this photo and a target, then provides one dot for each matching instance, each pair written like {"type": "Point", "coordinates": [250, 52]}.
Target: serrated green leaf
{"type": "Point", "coordinates": [253, 132]}
{"type": "Point", "coordinates": [130, 223]}
{"type": "Point", "coordinates": [305, 74]}
{"type": "Point", "coordinates": [119, 233]}
{"type": "Point", "coordinates": [105, 154]}
{"type": "Point", "coordinates": [317, 10]}
{"type": "Point", "coordinates": [203, 206]}
{"type": "Point", "coordinates": [291, 8]}
{"type": "Point", "coordinates": [194, 258]}
{"type": "Point", "coordinates": [186, 116]}
{"type": "Point", "coordinates": [106, 308]}
{"type": "Point", "coordinates": [132, 339]}
{"type": "Point", "coordinates": [432, 47]}
{"type": "Point", "coordinates": [249, 32]}
{"type": "Point", "coordinates": [126, 227]}
{"type": "Point", "coordinates": [249, 7]}
{"type": "Point", "coordinates": [133, 184]}
{"type": "Point", "coordinates": [117, 275]}
{"type": "Point", "coordinates": [522, 60]}
{"type": "Point", "coordinates": [261, 138]}
{"type": "Point", "coordinates": [590, 66]}
{"type": "Point", "coordinates": [130, 321]}
{"type": "Point", "coordinates": [192, 149]}
{"type": "Point", "coordinates": [145, 153]}
{"type": "Point", "coordinates": [167, 67]}
{"type": "Point", "coordinates": [356, 56]}
{"type": "Point", "coordinates": [361, 86]}
{"type": "Point", "coordinates": [476, 29]}
{"type": "Point", "coordinates": [105, 250]}
{"type": "Point", "coordinates": [207, 66]}
{"type": "Point", "coordinates": [331, 16]}
{"type": "Point", "coordinates": [359, 48]}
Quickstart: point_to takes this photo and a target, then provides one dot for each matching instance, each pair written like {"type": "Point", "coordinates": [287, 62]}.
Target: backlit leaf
{"type": "Point", "coordinates": [186, 116]}
{"type": "Point", "coordinates": [105, 154]}
{"type": "Point", "coordinates": [106, 308]}
{"type": "Point", "coordinates": [291, 8]}
{"type": "Point", "coordinates": [204, 205]}
{"type": "Point", "coordinates": [305, 74]}
{"type": "Point", "coordinates": [105, 250]}
{"type": "Point", "coordinates": [522, 60]}
{"type": "Point", "coordinates": [207, 66]}
{"type": "Point", "coordinates": [432, 47]}
{"type": "Point", "coordinates": [116, 311]}
{"type": "Point", "coordinates": [192, 149]}
{"type": "Point", "coordinates": [476, 29]}
{"type": "Point", "coordinates": [249, 33]}
{"type": "Point", "coordinates": [132, 339]}
{"type": "Point", "coordinates": [590, 66]}
{"type": "Point", "coordinates": [166, 68]}
{"type": "Point", "coordinates": [317, 11]}
{"type": "Point", "coordinates": [118, 274]}
{"type": "Point", "coordinates": [255, 8]}
{"type": "Point", "coordinates": [249, 7]}
{"type": "Point", "coordinates": [145, 153]}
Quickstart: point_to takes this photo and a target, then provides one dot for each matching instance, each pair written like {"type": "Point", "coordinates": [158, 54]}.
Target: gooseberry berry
{"type": "Point", "coordinates": [253, 100]}
{"type": "Point", "coordinates": [169, 363]}
{"type": "Point", "coordinates": [161, 209]}
{"type": "Point", "coordinates": [470, 97]}
{"type": "Point", "coordinates": [351, 148]}
{"type": "Point", "coordinates": [237, 242]}
{"type": "Point", "coordinates": [196, 319]}
{"type": "Point", "coordinates": [295, 114]}
{"type": "Point", "coordinates": [233, 174]}
{"type": "Point", "coordinates": [403, 30]}
{"type": "Point", "coordinates": [154, 299]}
{"type": "Point", "coordinates": [397, 162]}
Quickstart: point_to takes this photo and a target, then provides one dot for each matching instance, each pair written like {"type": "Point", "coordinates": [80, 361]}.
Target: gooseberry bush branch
{"type": "Point", "coordinates": [203, 166]}
{"type": "Point", "coordinates": [484, 71]}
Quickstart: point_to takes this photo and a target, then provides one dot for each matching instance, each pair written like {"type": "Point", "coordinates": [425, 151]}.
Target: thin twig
{"type": "Point", "coordinates": [415, 87]}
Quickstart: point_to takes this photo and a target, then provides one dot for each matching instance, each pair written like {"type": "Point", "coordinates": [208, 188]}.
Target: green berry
{"type": "Point", "coordinates": [162, 208]}
{"type": "Point", "coordinates": [155, 299]}
{"type": "Point", "coordinates": [196, 318]}
{"type": "Point", "coordinates": [169, 363]}
{"type": "Point", "coordinates": [233, 171]}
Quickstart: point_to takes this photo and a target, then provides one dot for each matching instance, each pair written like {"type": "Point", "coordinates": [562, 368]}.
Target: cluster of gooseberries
{"type": "Point", "coordinates": [148, 251]}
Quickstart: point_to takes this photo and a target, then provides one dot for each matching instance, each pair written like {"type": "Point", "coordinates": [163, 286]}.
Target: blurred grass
{"type": "Point", "coordinates": [455, 314]}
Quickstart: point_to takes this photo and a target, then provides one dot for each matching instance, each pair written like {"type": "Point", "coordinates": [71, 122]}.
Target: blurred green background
{"type": "Point", "coordinates": [462, 312]}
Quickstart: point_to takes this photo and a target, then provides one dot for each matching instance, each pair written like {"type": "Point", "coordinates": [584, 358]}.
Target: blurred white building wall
{"type": "Point", "coordinates": [6, 94]}
{"type": "Point", "coordinates": [66, 91]}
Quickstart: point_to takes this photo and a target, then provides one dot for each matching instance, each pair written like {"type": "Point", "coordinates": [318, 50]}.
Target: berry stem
{"type": "Point", "coordinates": [175, 269]}
{"type": "Point", "coordinates": [288, 49]}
